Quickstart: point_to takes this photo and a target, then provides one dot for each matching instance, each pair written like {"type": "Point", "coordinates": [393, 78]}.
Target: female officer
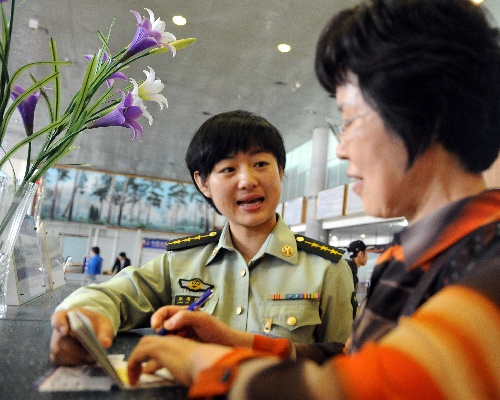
{"type": "Point", "coordinates": [265, 279]}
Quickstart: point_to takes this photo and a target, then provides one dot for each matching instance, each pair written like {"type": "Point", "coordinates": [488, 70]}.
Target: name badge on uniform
{"type": "Point", "coordinates": [185, 299]}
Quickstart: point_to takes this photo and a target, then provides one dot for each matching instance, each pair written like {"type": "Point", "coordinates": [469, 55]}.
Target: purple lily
{"type": "Point", "coordinates": [149, 33]}
{"type": "Point", "coordinates": [125, 114]}
{"type": "Point", "coordinates": [112, 77]}
{"type": "Point", "coordinates": [26, 107]}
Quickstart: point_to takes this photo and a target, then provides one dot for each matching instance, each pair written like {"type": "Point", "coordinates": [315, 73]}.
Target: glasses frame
{"type": "Point", "coordinates": [338, 128]}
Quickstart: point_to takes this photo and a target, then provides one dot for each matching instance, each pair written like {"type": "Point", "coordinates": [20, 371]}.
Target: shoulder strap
{"type": "Point", "coordinates": [192, 241]}
{"type": "Point", "coordinates": [319, 248]}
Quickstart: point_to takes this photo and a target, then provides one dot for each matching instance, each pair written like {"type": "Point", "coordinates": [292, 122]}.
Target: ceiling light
{"type": "Point", "coordinates": [477, 1]}
{"type": "Point", "coordinates": [284, 48]}
{"type": "Point", "coordinates": [179, 20]}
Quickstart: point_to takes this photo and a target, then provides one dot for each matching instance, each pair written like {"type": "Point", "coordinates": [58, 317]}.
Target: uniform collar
{"type": "Point", "coordinates": [280, 243]}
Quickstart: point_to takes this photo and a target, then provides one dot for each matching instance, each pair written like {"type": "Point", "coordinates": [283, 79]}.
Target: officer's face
{"type": "Point", "coordinates": [246, 189]}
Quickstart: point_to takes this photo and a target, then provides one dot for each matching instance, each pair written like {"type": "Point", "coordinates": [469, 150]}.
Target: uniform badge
{"type": "Point", "coordinates": [287, 251]}
{"type": "Point", "coordinates": [195, 285]}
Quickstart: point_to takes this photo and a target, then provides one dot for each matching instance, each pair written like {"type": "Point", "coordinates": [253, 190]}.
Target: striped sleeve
{"type": "Point", "coordinates": [280, 347]}
{"type": "Point", "coordinates": [450, 348]}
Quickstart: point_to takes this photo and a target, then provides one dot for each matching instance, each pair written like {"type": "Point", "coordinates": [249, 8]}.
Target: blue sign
{"type": "Point", "coordinates": [160, 244]}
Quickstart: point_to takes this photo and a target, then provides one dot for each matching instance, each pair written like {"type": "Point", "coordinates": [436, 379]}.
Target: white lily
{"type": "Point", "coordinates": [149, 90]}
{"type": "Point", "coordinates": [159, 26]}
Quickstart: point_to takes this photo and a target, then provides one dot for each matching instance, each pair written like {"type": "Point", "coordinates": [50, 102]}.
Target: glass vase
{"type": "Point", "coordinates": [15, 201]}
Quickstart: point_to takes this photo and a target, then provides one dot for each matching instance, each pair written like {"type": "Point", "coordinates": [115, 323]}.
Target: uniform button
{"type": "Point", "coordinates": [291, 321]}
{"type": "Point", "coordinates": [239, 310]}
{"type": "Point", "coordinates": [243, 272]}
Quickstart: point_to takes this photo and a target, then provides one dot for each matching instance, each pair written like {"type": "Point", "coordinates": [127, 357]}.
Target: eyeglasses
{"type": "Point", "coordinates": [339, 127]}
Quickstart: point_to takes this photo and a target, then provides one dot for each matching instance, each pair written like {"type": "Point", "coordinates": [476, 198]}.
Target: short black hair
{"type": "Point", "coordinates": [96, 250]}
{"type": "Point", "coordinates": [430, 68]}
{"type": "Point", "coordinates": [228, 133]}
{"type": "Point", "coordinates": [122, 254]}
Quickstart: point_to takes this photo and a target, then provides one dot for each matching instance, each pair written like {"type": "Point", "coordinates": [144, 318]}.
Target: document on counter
{"type": "Point", "coordinates": [110, 369]}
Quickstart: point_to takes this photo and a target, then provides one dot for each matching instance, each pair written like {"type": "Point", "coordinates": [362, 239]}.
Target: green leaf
{"type": "Point", "coordinates": [81, 97]}
{"type": "Point", "coordinates": [57, 80]}
{"type": "Point", "coordinates": [25, 67]}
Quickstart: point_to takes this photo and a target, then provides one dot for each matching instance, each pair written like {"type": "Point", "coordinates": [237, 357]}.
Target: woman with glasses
{"type": "Point", "coordinates": [418, 85]}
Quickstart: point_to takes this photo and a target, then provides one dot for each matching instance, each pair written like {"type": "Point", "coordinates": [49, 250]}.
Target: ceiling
{"type": "Point", "coordinates": [234, 64]}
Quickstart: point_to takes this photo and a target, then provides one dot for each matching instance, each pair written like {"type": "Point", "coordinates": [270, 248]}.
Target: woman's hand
{"type": "Point", "coordinates": [184, 358]}
{"type": "Point", "coordinates": [65, 348]}
{"type": "Point", "coordinates": [199, 326]}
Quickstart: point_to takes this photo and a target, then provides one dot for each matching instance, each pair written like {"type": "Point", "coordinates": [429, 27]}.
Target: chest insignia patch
{"type": "Point", "coordinates": [195, 285]}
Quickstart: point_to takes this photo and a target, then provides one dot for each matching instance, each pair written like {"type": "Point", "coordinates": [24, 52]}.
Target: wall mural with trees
{"type": "Point", "coordinates": [86, 196]}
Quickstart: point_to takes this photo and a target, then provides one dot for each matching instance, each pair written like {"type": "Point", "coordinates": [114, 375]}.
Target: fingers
{"type": "Point", "coordinates": [145, 351]}
{"type": "Point", "coordinates": [151, 367]}
{"type": "Point", "coordinates": [59, 322]}
{"type": "Point", "coordinates": [184, 358]}
{"type": "Point", "coordinates": [105, 331]}
{"type": "Point", "coordinates": [163, 314]}
{"type": "Point", "coordinates": [171, 352]}
{"type": "Point", "coordinates": [206, 328]}
{"type": "Point", "coordinates": [65, 349]}
{"type": "Point", "coordinates": [184, 319]}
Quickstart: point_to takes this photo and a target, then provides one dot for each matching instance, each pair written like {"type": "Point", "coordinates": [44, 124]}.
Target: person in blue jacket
{"type": "Point", "coordinates": [95, 263]}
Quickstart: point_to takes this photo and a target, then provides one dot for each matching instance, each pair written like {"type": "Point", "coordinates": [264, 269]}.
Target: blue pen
{"type": "Point", "coordinates": [192, 307]}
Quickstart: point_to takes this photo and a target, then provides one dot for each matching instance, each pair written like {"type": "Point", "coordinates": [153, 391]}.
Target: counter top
{"type": "Point", "coordinates": [24, 353]}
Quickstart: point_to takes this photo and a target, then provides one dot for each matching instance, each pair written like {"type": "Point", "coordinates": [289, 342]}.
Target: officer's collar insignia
{"type": "Point", "coordinates": [195, 285]}
{"type": "Point", "coordinates": [195, 240]}
{"type": "Point", "coordinates": [287, 250]}
{"type": "Point", "coordinates": [321, 249]}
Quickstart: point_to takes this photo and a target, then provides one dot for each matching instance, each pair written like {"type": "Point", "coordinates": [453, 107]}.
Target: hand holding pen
{"type": "Point", "coordinates": [192, 307]}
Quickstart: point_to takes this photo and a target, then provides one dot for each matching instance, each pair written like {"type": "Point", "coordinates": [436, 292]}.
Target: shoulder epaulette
{"type": "Point", "coordinates": [319, 248]}
{"type": "Point", "coordinates": [195, 240]}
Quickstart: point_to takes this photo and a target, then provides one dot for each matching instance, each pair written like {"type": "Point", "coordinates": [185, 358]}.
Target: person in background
{"type": "Point", "coordinates": [357, 252]}
{"type": "Point", "coordinates": [121, 262]}
{"type": "Point", "coordinates": [94, 265]}
{"type": "Point", "coordinates": [418, 85]}
{"type": "Point", "coordinates": [265, 279]}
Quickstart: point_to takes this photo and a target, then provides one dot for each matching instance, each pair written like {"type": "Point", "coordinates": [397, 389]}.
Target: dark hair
{"type": "Point", "coordinates": [430, 68]}
{"type": "Point", "coordinates": [96, 250]}
{"type": "Point", "coordinates": [122, 254]}
{"type": "Point", "coordinates": [228, 133]}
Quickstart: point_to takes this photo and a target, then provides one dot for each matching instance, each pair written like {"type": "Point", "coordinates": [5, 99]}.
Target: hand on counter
{"type": "Point", "coordinates": [184, 358]}
{"type": "Point", "coordinates": [65, 349]}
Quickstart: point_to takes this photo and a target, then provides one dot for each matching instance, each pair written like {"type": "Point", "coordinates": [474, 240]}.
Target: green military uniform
{"type": "Point", "coordinates": [294, 287]}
